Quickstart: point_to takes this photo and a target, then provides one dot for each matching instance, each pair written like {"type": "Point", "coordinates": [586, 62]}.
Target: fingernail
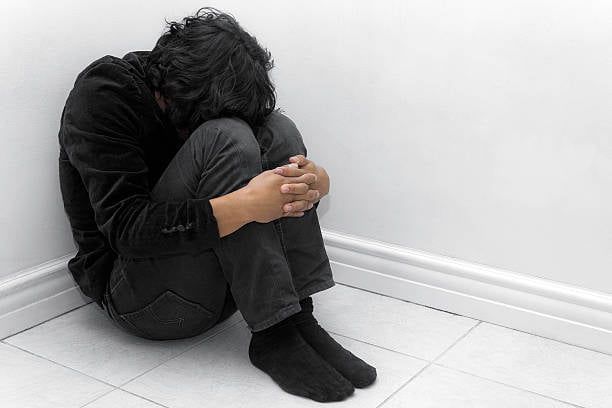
{"type": "Point", "coordinates": [278, 170]}
{"type": "Point", "coordinates": [288, 208]}
{"type": "Point", "coordinates": [285, 189]}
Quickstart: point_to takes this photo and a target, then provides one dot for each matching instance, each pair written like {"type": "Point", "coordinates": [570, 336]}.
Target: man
{"type": "Point", "coordinates": [175, 178]}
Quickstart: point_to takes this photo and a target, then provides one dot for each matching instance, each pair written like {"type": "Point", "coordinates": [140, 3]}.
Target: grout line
{"type": "Point", "coordinates": [484, 321]}
{"type": "Point", "coordinates": [129, 392]}
{"type": "Point", "coordinates": [98, 397]}
{"type": "Point", "coordinates": [406, 301]}
{"type": "Point", "coordinates": [463, 336]}
{"type": "Point", "coordinates": [119, 389]}
{"type": "Point", "coordinates": [113, 386]}
{"type": "Point", "coordinates": [144, 398]}
{"type": "Point", "coordinates": [507, 385]}
{"type": "Point", "coordinates": [427, 366]}
{"type": "Point", "coordinates": [551, 339]}
{"type": "Point", "coordinates": [45, 321]}
{"type": "Point", "coordinates": [60, 364]}
{"type": "Point", "coordinates": [380, 347]}
{"type": "Point", "coordinates": [181, 353]}
{"type": "Point", "coordinates": [415, 375]}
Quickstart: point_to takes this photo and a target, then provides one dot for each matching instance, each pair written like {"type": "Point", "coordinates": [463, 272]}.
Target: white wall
{"type": "Point", "coordinates": [475, 129]}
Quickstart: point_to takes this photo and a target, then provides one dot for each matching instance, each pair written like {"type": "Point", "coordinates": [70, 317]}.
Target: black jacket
{"type": "Point", "coordinates": [115, 142]}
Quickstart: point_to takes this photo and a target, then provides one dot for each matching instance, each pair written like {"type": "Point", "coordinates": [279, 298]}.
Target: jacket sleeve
{"type": "Point", "coordinates": [100, 134]}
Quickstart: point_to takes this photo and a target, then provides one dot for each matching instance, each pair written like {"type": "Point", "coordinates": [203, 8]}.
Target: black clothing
{"type": "Point", "coordinates": [115, 142]}
{"type": "Point", "coordinates": [268, 267]}
{"type": "Point", "coordinates": [354, 369]}
{"type": "Point", "coordinates": [282, 353]}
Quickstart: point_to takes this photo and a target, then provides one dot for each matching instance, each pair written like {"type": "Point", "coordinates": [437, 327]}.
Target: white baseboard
{"type": "Point", "coordinates": [551, 309]}
{"type": "Point", "coordinates": [37, 294]}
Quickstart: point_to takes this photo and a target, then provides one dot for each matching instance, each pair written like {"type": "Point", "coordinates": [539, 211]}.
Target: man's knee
{"type": "Point", "coordinates": [281, 139]}
{"type": "Point", "coordinates": [230, 127]}
{"type": "Point", "coordinates": [230, 135]}
{"type": "Point", "coordinates": [220, 156]}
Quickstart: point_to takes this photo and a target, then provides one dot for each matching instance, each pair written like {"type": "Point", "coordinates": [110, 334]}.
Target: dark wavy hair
{"type": "Point", "coordinates": [207, 66]}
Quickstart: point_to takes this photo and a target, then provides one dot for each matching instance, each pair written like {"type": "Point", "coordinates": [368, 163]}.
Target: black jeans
{"type": "Point", "coordinates": [262, 269]}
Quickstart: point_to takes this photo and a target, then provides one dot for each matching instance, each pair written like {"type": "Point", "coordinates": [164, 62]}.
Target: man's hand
{"type": "Point", "coordinates": [304, 166]}
{"type": "Point", "coordinates": [264, 200]}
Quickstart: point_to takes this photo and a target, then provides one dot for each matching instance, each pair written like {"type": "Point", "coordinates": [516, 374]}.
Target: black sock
{"type": "Point", "coordinates": [281, 353]}
{"type": "Point", "coordinates": [357, 371]}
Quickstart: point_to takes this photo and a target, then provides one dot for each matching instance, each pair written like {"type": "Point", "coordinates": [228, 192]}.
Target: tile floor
{"type": "Point", "coordinates": [424, 357]}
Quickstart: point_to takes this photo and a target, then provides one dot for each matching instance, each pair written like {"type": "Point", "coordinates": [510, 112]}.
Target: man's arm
{"type": "Point", "coordinates": [100, 136]}
{"type": "Point", "coordinates": [231, 211]}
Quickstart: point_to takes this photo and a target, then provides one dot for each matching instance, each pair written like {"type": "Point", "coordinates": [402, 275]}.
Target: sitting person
{"type": "Point", "coordinates": [190, 197]}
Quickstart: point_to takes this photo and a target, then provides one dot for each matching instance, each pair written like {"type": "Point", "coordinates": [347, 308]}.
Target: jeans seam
{"type": "Point", "coordinates": [121, 321]}
{"type": "Point", "coordinates": [116, 285]}
{"type": "Point", "coordinates": [237, 154]}
{"type": "Point", "coordinates": [304, 293]}
{"type": "Point", "coordinates": [264, 161]}
{"type": "Point", "coordinates": [277, 317]}
{"type": "Point", "coordinates": [282, 239]}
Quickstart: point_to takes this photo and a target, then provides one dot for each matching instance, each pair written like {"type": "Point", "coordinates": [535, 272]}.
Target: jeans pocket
{"type": "Point", "coordinates": [169, 317]}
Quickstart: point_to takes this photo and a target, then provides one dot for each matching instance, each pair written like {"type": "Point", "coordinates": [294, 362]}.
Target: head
{"type": "Point", "coordinates": [207, 66]}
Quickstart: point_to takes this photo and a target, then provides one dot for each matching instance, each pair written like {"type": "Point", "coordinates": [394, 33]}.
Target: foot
{"type": "Point", "coordinates": [357, 371]}
{"type": "Point", "coordinates": [281, 353]}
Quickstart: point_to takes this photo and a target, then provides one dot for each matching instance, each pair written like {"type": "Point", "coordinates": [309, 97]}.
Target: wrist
{"type": "Point", "coordinates": [231, 211]}
{"type": "Point", "coordinates": [244, 204]}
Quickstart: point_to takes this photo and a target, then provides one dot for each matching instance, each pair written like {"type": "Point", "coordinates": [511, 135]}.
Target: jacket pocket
{"type": "Point", "coordinates": [168, 317]}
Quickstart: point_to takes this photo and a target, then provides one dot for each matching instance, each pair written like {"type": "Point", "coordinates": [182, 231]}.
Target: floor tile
{"type": "Point", "coordinates": [87, 340]}
{"type": "Point", "coordinates": [218, 373]}
{"type": "Point", "coordinates": [547, 367]}
{"type": "Point", "coordinates": [439, 387]}
{"type": "Point", "coordinates": [33, 382]}
{"type": "Point", "coordinates": [121, 399]}
{"type": "Point", "coordinates": [391, 323]}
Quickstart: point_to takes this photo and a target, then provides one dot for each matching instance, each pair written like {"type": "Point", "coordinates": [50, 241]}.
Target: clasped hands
{"type": "Point", "coordinates": [304, 190]}
{"type": "Point", "coordinates": [285, 191]}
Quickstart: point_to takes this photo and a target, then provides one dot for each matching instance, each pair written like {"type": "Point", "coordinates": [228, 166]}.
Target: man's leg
{"type": "Point", "coordinates": [227, 155]}
{"type": "Point", "coordinates": [301, 237]}
{"type": "Point", "coordinates": [221, 156]}
{"type": "Point", "coordinates": [305, 251]}
{"type": "Point", "coordinates": [178, 296]}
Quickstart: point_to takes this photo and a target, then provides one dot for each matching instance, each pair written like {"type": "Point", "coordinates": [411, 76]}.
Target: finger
{"type": "Point", "coordinates": [295, 188]}
{"type": "Point", "coordinates": [294, 214]}
{"type": "Point", "coordinates": [300, 159]}
{"type": "Point", "coordinates": [307, 178]}
{"type": "Point", "coordinates": [310, 195]}
{"type": "Point", "coordinates": [289, 171]}
{"type": "Point", "coordinates": [299, 205]}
